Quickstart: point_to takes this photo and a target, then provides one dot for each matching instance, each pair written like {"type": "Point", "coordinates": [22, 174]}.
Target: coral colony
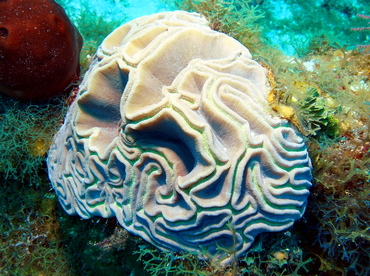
{"type": "Point", "coordinates": [171, 132]}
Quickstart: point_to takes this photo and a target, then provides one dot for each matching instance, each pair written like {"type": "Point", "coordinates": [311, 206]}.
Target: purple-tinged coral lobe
{"type": "Point", "coordinates": [171, 133]}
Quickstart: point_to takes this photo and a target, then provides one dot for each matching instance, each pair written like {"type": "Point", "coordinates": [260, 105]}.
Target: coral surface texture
{"type": "Point", "coordinates": [172, 134]}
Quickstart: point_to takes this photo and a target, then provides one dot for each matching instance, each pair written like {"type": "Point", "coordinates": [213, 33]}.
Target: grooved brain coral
{"type": "Point", "coordinates": [171, 133]}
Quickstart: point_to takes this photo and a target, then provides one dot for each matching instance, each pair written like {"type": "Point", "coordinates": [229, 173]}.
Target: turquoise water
{"type": "Point", "coordinates": [124, 11]}
{"type": "Point", "coordinates": [289, 25]}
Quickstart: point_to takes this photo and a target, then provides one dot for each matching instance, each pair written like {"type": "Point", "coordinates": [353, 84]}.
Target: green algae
{"type": "Point", "coordinates": [26, 132]}
{"type": "Point", "coordinates": [29, 231]}
{"type": "Point", "coordinates": [270, 254]}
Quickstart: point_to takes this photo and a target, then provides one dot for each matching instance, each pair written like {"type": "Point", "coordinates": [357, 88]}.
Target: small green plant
{"type": "Point", "coordinates": [167, 263]}
{"type": "Point", "coordinates": [315, 116]}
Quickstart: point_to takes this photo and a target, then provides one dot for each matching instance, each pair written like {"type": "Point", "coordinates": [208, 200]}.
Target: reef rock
{"type": "Point", "coordinates": [172, 134]}
{"type": "Point", "coordinates": [39, 49]}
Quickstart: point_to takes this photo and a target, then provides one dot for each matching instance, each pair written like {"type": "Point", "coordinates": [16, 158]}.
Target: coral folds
{"type": "Point", "coordinates": [171, 132]}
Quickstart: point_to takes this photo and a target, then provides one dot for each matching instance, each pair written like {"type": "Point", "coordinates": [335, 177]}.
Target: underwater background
{"type": "Point", "coordinates": [318, 57]}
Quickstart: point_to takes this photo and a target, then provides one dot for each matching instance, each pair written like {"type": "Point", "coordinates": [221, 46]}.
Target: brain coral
{"type": "Point", "coordinates": [39, 49]}
{"type": "Point", "coordinates": [171, 133]}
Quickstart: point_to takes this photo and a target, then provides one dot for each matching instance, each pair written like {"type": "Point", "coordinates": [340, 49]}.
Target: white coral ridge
{"type": "Point", "coordinates": [172, 134]}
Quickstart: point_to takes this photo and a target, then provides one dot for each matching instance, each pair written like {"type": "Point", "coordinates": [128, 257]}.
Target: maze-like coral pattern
{"type": "Point", "coordinates": [171, 133]}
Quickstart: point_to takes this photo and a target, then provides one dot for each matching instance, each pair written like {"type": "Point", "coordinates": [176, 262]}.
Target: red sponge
{"type": "Point", "coordinates": [39, 49]}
